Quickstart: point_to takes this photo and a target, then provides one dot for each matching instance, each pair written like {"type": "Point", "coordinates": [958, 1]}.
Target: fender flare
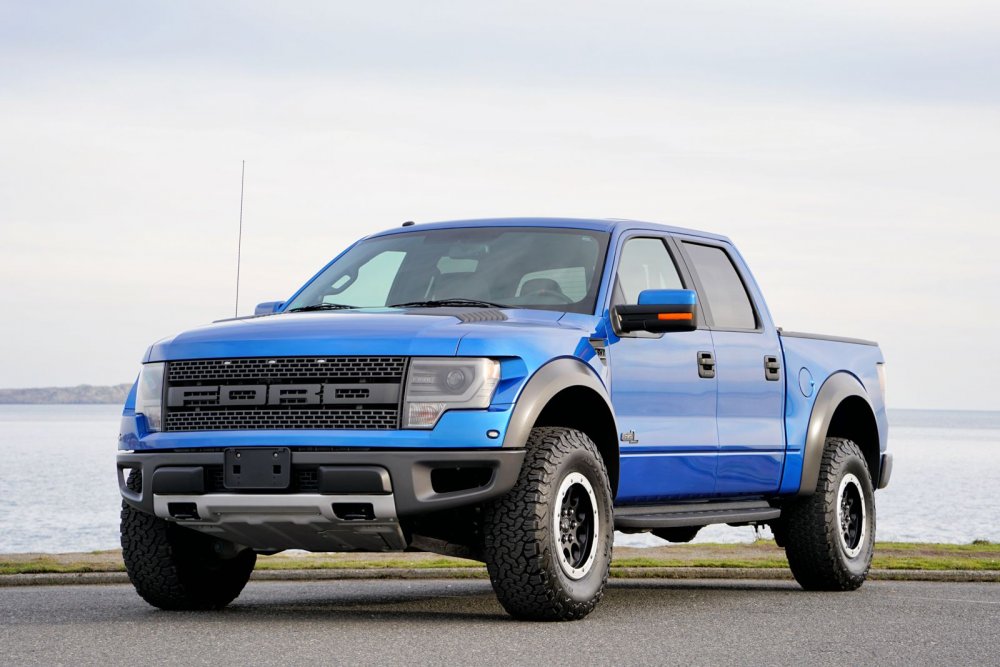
{"type": "Point", "coordinates": [838, 387]}
{"type": "Point", "coordinates": [541, 387]}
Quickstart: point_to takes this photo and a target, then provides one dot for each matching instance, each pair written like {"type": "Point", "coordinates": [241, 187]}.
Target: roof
{"type": "Point", "coordinates": [596, 224]}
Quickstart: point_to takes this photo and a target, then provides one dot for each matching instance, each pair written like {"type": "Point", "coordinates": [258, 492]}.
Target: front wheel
{"type": "Point", "coordinates": [830, 536]}
{"type": "Point", "coordinates": [548, 540]}
{"type": "Point", "coordinates": [177, 568]}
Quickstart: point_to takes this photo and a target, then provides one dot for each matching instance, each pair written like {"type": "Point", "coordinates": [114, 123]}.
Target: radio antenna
{"type": "Point", "coordinates": [239, 240]}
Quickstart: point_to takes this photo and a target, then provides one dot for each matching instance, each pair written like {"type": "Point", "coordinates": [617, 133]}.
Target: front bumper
{"type": "Point", "coordinates": [358, 507]}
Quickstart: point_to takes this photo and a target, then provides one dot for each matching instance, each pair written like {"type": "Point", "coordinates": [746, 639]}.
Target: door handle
{"type": "Point", "coordinates": [772, 368]}
{"type": "Point", "coordinates": [706, 365]}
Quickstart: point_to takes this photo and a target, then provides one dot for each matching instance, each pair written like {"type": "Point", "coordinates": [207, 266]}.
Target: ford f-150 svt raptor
{"type": "Point", "coordinates": [510, 390]}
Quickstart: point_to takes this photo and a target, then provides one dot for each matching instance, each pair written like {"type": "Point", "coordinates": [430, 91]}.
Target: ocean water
{"type": "Point", "coordinates": [57, 478]}
{"type": "Point", "coordinates": [58, 490]}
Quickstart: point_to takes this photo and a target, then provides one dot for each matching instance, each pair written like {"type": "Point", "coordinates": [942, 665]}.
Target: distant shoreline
{"type": "Point", "coordinates": [115, 394]}
{"type": "Point", "coordinates": [84, 394]}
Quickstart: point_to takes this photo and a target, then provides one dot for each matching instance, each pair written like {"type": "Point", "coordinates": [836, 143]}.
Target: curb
{"type": "Point", "coordinates": [780, 574]}
{"type": "Point", "coordinates": [783, 574]}
{"type": "Point", "coordinates": [63, 579]}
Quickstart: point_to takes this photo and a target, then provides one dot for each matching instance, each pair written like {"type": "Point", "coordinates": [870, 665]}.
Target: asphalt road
{"type": "Point", "coordinates": [459, 622]}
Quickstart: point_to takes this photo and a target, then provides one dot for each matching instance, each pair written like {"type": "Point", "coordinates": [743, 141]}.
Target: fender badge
{"type": "Point", "coordinates": [629, 437]}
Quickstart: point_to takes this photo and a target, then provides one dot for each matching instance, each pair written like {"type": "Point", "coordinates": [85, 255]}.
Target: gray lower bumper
{"type": "Point", "coordinates": [275, 519]}
{"type": "Point", "coordinates": [270, 522]}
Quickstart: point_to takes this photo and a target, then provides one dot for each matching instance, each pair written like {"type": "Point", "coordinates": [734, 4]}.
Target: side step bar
{"type": "Point", "coordinates": [642, 517]}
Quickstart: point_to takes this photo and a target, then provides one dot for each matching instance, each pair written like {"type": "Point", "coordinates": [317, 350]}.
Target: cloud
{"type": "Point", "coordinates": [858, 194]}
{"type": "Point", "coordinates": [917, 51]}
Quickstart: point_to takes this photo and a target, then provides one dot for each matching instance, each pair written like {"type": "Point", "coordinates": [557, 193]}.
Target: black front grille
{"type": "Point", "coordinates": [286, 368]}
{"type": "Point", "coordinates": [284, 393]}
{"type": "Point", "coordinates": [237, 420]}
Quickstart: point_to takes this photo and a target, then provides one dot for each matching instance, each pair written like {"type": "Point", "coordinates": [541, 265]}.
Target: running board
{"type": "Point", "coordinates": [644, 517]}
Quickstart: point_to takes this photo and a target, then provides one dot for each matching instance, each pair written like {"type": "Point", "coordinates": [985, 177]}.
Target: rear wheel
{"type": "Point", "coordinates": [830, 536]}
{"type": "Point", "coordinates": [548, 540]}
{"type": "Point", "coordinates": [177, 568]}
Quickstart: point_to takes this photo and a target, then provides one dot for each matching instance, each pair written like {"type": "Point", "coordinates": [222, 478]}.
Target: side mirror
{"type": "Point", "coordinates": [268, 307]}
{"type": "Point", "coordinates": [658, 311]}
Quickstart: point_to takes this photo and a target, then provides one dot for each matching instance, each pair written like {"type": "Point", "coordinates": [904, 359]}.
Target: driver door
{"type": "Point", "coordinates": [666, 410]}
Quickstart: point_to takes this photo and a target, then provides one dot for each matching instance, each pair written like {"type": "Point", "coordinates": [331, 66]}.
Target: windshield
{"type": "Point", "coordinates": [519, 267]}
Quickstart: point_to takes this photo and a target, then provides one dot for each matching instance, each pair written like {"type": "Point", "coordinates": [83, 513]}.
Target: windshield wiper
{"type": "Point", "coordinates": [436, 303]}
{"type": "Point", "coordinates": [320, 306]}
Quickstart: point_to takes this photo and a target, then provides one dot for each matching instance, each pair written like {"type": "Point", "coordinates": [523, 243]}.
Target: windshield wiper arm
{"type": "Point", "coordinates": [436, 303]}
{"type": "Point", "coordinates": [320, 306]}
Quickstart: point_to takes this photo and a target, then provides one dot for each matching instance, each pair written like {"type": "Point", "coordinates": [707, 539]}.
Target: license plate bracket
{"type": "Point", "coordinates": [257, 468]}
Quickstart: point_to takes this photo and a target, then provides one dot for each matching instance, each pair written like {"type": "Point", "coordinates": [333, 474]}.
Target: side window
{"type": "Point", "coordinates": [724, 290]}
{"type": "Point", "coordinates": [646, 264]}
{"type": "Point", "coordinates": [371, 285]}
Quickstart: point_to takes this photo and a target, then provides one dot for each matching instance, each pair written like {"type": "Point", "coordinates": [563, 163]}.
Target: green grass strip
{"type": "Point", "coordinates": [979, 556]}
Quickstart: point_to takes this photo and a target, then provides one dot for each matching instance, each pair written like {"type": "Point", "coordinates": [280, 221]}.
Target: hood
{"type": "Point", "coordinates": [429, 332]}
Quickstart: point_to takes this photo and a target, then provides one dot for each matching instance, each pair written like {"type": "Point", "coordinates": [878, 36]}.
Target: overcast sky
{"type": "Point", "coordinates": [850, 149]}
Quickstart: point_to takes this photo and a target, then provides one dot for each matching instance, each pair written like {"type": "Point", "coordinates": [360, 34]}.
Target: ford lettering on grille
{"type": "Point", "coordinates": [284, 393]}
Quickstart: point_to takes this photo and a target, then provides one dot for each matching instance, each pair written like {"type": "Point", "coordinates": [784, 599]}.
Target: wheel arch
{"type": "Point", "coordinates": [842, 410]}
{"type": "Point", "coordinates": [566, 392]}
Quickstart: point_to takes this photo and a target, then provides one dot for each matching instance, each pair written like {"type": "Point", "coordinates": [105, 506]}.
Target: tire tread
{"type": "Point", "coordinates": [520, 564]}
{"type": "Point", "coordinates": [812, 546]}
{"type": "Point", "coordinates": [164, 572]}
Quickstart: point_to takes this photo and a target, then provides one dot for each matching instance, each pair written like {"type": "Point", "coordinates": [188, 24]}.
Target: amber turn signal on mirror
{"type": "Point", "coordinates": [659, 311]}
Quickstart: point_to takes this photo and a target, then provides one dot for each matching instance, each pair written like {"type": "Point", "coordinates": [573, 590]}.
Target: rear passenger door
{"type": "Point", "coordinates": [751, 390]}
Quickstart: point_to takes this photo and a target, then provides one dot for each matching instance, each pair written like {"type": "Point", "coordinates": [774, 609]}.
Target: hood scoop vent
{"type": "Point", "coordinates": [464, 315]}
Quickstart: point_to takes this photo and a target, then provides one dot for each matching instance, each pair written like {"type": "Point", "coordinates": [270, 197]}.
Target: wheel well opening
{"type": "Point", "coordinates": [583, 409]}
{"type": "Point", "coordinates": [854, 420]}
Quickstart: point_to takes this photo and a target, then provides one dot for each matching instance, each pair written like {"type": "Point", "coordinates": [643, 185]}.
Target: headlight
{"type": "Point", "coordinates": [149, 396]}
{"type": "Point", "coordinates": [434, 386]}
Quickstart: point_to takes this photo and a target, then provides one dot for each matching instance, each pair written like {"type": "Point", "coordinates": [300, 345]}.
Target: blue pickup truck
{"type": "Point", "coordinates": [508, 390]}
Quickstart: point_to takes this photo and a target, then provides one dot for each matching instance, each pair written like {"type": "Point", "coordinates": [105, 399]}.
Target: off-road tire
{"type": "Point", "coordinates": [177, 568]}
{"type": "Point", "coordinates": [522, 542]}
{"type": "Point", "coordinates": [817, 549]}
